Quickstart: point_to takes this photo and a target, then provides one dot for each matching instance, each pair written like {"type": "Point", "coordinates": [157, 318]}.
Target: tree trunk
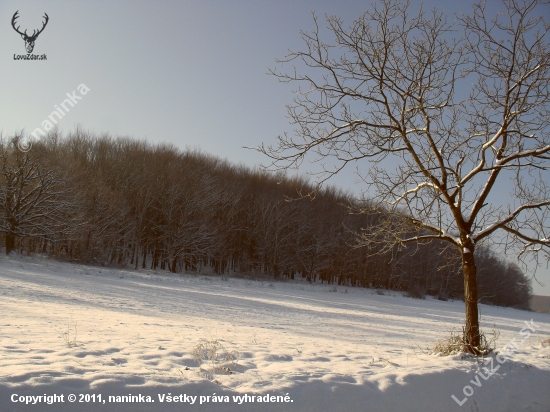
{"type": "Point", "coordinates": [173, 267]}
{"type": "Point", "coordinates": [10, 242]}
{"type": "Point", "coordinates": [471, 331]}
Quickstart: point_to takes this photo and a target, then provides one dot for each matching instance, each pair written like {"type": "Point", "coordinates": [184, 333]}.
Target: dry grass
{"type": "Point", "coordinates": [68, 336]}
{"type": "Point", "coordinates": [456, 344]}
{"type": "Point", "coordinates": [213, 355]}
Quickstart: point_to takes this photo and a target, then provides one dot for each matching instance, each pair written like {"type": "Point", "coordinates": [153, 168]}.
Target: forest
{"type": "Point", "coordinates": [124, 202]}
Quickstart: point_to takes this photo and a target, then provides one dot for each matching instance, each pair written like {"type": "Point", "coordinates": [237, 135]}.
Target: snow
{"type": "Point", "coordinates": [455, 239]}
{"type": "Point", "coordinates": [414, 190]}
{"type": "Point", "coordinates": [329, 349]}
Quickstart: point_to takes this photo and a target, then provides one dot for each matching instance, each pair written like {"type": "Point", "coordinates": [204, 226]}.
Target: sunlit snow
{"type": "Point", "coordinates": [72, 329]}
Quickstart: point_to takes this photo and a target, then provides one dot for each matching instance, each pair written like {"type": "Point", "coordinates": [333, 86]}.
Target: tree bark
{"type": "Point", "coordinates": [471, 330]}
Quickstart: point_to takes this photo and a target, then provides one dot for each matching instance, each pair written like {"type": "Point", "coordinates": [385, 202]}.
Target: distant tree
{"type": "Point", "coordinates": [461, 116]}
{"type": "Point", "coordinates": [33, 199]}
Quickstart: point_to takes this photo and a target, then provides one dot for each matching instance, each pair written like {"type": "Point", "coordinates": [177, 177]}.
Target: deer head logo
{"type": "Point", "coordinates": [29, 40]}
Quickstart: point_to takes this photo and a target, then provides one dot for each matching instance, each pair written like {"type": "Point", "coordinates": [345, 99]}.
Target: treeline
{"type": "Point", "coordinates": [129, 203]}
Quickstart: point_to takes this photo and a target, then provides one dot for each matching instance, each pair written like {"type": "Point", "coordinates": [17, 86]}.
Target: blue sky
{"type": "Point", "coordinates": [193, 73]}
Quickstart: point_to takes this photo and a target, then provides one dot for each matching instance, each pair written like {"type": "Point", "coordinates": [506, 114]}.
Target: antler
{"type": "Point", "coordinates": [43, 26]}
{"type": "Point", "coordinates": [15, 16]}
{"type": "Point", "coordinates": [34, 33]}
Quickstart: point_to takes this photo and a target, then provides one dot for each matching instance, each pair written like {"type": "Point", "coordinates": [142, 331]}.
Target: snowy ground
{"type": "Point", "coordinates": [329, 349]}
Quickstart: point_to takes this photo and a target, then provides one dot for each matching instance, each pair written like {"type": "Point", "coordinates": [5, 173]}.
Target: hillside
{"type": "Point", "coordinates": [540, 304]}
{"type": "Point", "coordinates": [127, 203]}
{"type": "Point", "coordinates": [71, 329]}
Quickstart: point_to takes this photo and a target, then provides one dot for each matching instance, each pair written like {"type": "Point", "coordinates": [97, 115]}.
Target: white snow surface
{"type": "Point", "coordinates": [329, 348]}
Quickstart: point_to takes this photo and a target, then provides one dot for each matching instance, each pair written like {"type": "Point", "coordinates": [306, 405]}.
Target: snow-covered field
{"type": "Point", "coordinates": [69, 329]}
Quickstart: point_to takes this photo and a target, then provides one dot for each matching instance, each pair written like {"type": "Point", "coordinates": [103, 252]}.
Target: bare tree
{"type": "Point", "coordinates": [33, 201]}
{"type": "Point", "coordinates": [458, 108]}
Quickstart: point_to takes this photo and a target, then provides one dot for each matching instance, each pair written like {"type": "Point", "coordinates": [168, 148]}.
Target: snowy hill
{"type": "Point", "coordinates": [126, 335]}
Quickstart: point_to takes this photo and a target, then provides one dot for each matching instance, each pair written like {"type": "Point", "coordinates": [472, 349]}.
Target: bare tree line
{"type": "Point", "coordinates": [123, 202]}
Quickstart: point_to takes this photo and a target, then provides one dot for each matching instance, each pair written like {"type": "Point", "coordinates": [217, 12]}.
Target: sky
{"type": "Point", "coordinates": [191, 73]}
